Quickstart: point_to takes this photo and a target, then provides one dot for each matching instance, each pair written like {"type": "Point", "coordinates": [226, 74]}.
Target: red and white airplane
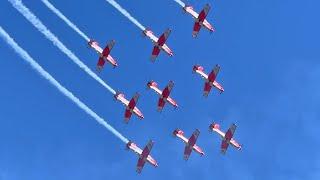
{"type": "Point", "coordinates": [227, 138]}
{"type": "Point", "coordinates": [199, 18]}
{"type": "Point", "coordinates": [164, 95]}
{"type": "Point", "coordinates": [159, 44]}
{"type": "Point", "coordinates": [210, 79]}
{"type": "Point", "coordinates": [190, 143]}
{"type": "Point", "coordinates": [130, 106]}
{"type": "Point", "coordinates": [144, 155]}
{"type": "Point", "coordinates": [104, 54]}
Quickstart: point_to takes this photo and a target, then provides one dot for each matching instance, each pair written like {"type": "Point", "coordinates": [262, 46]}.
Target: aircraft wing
{"type": "Point", "coordinates": [193, 139]}
{"type": "Point", "coordinates": [140, 165]}
{"type": "Point", "coordinates": [131, 107]}
{"type": "Point", "coordinates": [106, 51]}
{"type": "Point", "coordinates": [206, 89]}
{"type": "Point", "coordinates": [196, 29]}
{"type": "Point", "coordinates": [227, 138]}
{"type": "Point", "coordinates": [161, 103]}
{"type": "Point", "coordinates": [100, 64]}
{"type": "Point", "coordinates": [167, 90]}
{"type": "Point", "coordinates": [163, 38]}
{"type": "Point", "coordinates": [127, 115]}
{"type": "Point", "coordinates": [224, 146]}
{"type": "Point", "coordinates": [214, 73]}
{"type": "Point", "coordinates": [145, 155]}
{"type": "Point", "coordinates": [146, 151]}
{"type": "Point", "coordinates": [203, 14]}
{"type": "Point", "coordinates": [134, 100]}
{"type": "Point", "coordinates": [187, 152]}
{"type": "Point", "coordinates": [230, 132]}
{"type": "Point", "coordinates": [155, 53]}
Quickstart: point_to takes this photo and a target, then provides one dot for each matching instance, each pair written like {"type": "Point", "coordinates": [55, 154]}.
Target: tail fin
{"type": "Point", "coordinates": [146, 31]}
{"type": "Point", "coordinates": [214, 126]}
{"type": "Point", "coordinates": [128, 144]}
{"type": "Point", "coordinates": [118, 94]}
{"type": "Point", "coordinates": [197, 68]}
{"type": "Point", "coordinates": [152, 83]}
{"type": "Point", "coordinates": [177, 131]}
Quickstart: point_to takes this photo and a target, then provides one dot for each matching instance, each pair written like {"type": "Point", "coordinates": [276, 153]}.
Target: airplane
{"type": "Point", "coordinates": [130, 106]}
{"type": "Point", "coordinates": [164, 95]}
{"type": "Point", "coordinates": [227, 138]}
{"type": "Point", "coordinates": [144, 155]}
{"type": "Point", "coordinates": [190, 143]}
{"type": "Point", "coordinates": [200, 19]}
{"type": "Point", "coordinates": [104, 54]}
{"type": "Point", "coordinates": [159, 44]}
{"type": "Point", "coordinates": [210, 79]}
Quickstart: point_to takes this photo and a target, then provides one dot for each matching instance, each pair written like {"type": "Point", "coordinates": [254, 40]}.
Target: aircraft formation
{"type": "Point", "coordinates": [159, 44]}
{"type": "Point", "coordinates": [164, 93]}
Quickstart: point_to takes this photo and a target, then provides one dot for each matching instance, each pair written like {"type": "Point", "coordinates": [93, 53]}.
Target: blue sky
{"type": "Point", "coordinates": [268, 54]}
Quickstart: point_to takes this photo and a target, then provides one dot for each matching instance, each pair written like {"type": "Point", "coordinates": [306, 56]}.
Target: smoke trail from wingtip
{"type": "Point", "coordinates": [180, 3]}
{"type": "Point", "coordinates": [65, 19]}
{"type": "Point", "coordinates": [125, 13]}
{"type": "Point", "coordinates": [24, 55]}
{"type": "Point", "coordinates": [18, 5]}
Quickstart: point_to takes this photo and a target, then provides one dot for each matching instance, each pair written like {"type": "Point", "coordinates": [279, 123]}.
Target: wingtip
{"type": "Point", "coordinates": [126, 119]}
{"type": "Point", "coordinates": [153, 58]}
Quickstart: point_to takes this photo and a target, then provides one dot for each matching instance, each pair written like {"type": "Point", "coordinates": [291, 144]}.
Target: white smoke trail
{"type": "Point", "coordinates": [65, 19]}
{"type": "Point", "coordinates": [50, 36]}
{"type": "Point", "coordinates": [126, 14]}
{"type": "Point", "coordinates": [180, 3]}
{"type": "Point", "coordinates": [24, 55]}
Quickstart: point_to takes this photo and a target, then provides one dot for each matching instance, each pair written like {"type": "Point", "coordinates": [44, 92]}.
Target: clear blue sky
{"type": "Point", "coordinates": [269, 57]}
